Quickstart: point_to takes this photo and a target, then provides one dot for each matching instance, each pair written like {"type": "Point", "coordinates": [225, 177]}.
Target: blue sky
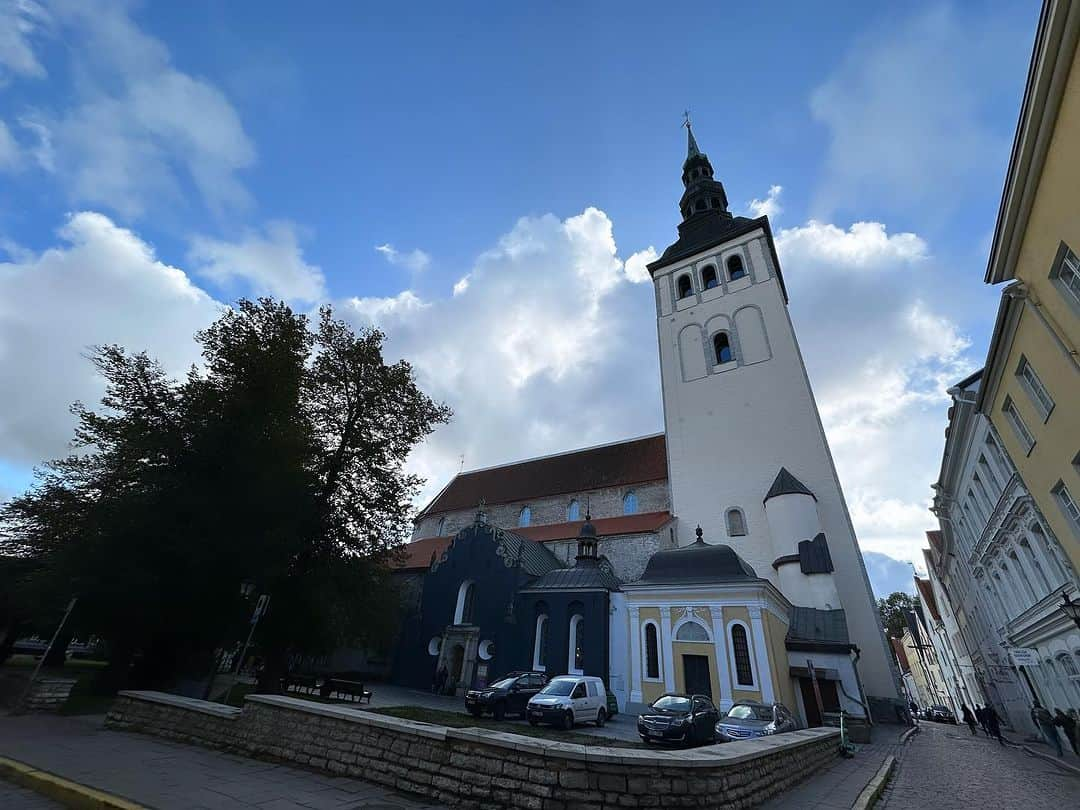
{"type": "Point", "coordinates": [159, 160]}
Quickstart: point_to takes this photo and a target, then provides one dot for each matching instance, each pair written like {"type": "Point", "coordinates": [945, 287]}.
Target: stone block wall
{"type": "Point", "coordinates": [482, 769]}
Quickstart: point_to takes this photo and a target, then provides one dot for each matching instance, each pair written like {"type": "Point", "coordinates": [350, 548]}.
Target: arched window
{"type": "Point", "coordinates": [685, 286]}
{"type": "Point", "coordinates": [735, 269]}
{"type": "Point", "coordinates": [740, 649]}
{"type": "Point", "coordinates": [573, 511]}
{"type": "Point", "coordinates": [524, 516]}
{"type": "Point", "coordinates": [442, 527]}
{"type": "Point", "coordinates": [700, 205]}
{"type": "Point", "coordinates": [1072, 676]}
{"type": "Point", "coordinates": [576, 662]}
{"type": "Point", "coordinates": [466, 603]}
{"type": "Point", "coordinates": [691, 631]}
{"type": "Point", "coordinates": [540, 643]}
{"type": "Point", "coordinates": [736, 523]}
{"type": "Point", "coordinates": [716, 203]}
{"type": "Point", "coordinates": [629, 503]}
{"type": "Point", "coordinates": [722, 348]}
{"type": "Point", "coordinates": [708, 277]}
{"type": "Point", "coordinates": [652, 652]}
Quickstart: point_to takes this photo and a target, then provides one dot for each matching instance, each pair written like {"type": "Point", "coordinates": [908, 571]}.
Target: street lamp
{"type": "Point", "coordinates": [1070, 608]}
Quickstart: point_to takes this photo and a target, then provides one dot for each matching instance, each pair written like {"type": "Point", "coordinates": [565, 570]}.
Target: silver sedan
{"type": "Point", "coordinates": [747, 719]}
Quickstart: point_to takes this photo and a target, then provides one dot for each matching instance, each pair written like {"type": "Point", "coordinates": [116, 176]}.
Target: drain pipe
{"type": "Point", "coordinates": [858, 680]}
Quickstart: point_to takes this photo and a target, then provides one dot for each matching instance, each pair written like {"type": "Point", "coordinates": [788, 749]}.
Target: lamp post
{"type": "Point", "coordinates": [1070, 608]}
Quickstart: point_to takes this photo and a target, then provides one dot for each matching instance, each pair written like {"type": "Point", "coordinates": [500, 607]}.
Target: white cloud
{"type": "Point", "coordinates": [864, 246]}
{"type": "Point", "coordinates": [637, 269]}
{"type": "Point", "coordinates": [415, 260]}
{"type": "Point", "coordinates": [770, 206]}
{"type": "Point", "coordinates": [100, 284]}
{"type": "Point", "coordinates": [379, 310]}
{"type": "Point", "coordinates": [272, 263]}
{"type": "Point", "coordinates": [461, 285]}
{"type": "Point", "coordinates": [20, 21]}
{"type": "Point", "coordinates": [10, 154]}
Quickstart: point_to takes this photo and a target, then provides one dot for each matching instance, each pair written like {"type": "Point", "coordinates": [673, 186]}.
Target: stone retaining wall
{"type": "Point", "coordinates": [478, 768]}
{"type": "Point", "coordinates": [48, 694]}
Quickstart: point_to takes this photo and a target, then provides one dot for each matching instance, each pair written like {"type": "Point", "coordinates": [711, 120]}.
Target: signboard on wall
{"type": "Point", "coordinates": [1024, 656]}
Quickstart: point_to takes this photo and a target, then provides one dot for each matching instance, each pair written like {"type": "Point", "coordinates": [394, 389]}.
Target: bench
{"type": "Point", "coordinates": [300, 683]}
{"type": "Point", "coordinates": [353, 689]}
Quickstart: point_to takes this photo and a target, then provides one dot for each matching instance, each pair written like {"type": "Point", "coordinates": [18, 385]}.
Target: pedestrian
{"type": "Point", "coordinates": [1068, 725]}
{"type": "Point", "coordinates": [440, 680]}
{"type": "Point", "coordinates": [969, 718]}
{"type": "Point", "coordinates": [993, 723]}
{"type": "Point", "coordinates": [980, 715]}
{"type": "Point", "coordinates": [1044, 721]}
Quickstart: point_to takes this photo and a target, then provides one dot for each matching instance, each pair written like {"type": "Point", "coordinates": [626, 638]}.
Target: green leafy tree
{"type": "Point", "coordinates": [893, 609]}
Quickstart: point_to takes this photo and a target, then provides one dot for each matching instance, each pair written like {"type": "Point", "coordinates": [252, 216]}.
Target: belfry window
{"type": "Point", "coordinates": [708, 277]}
{"type": "Point", "coordinates": [740, 648]}
{"type": "Point", "coordinates": [699, 205]}
{"type": "Point", "coordinates": [685, 286]}
{"type": "Point", "coordinates": [722, 348]}
{"type": "Point", "coordinates": [736, 523]}
{"type": "Point", "coordinates": [735, 269]}
{"type": "Point", "coordinates": [652, 652]}
{"type": "Point", "coordinates": [524, 516]}
{"type": "Point", "coordinates": [629, 503]}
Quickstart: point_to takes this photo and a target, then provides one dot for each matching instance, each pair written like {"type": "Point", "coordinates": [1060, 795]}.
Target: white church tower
{"type": "Point", "coordinates": [747, 455]}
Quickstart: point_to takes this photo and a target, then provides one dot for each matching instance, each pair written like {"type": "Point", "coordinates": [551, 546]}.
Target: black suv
{"type": "Point", "coordinates": [506, 696]}
{"type": "Point", "coordinates": [687, 719]}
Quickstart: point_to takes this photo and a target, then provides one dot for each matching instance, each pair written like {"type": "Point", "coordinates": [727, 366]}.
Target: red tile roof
{"type": "Point", "coordinates": [418, 553]}
{"type": "Point", "coordinates": [927, 594]}
{"type": "Point", "coordinates": [634, 461]}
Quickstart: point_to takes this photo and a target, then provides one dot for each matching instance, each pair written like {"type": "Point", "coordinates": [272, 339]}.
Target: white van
{"type": "Point", "coordinates": [569, 699]}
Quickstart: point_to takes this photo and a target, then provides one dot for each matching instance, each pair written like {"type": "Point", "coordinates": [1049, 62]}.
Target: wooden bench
{"type": "Point", "coordinates": [353, 689]}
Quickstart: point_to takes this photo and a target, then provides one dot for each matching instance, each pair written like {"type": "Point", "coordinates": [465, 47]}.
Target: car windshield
{"type": "Point", "coordinates": [673, 703]}
{"type": "Point", "coordinates": [505, 683]}
{"type": "Point", "coordinates": [746, 712]}
{"type": "Point", "coordinates": [559, 686]}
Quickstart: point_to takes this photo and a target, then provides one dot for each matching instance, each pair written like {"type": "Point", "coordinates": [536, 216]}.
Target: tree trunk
{"type": "Point", "coordinates": [57, 654]}
{"type": "Point", "coordinates": [275, 667]}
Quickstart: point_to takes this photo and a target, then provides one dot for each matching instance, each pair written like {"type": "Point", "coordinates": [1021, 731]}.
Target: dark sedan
{"type": "Point", "coordinates": [747, 719]}
{"type": "Point", "coordinates": [939, 714]}
{"type": "Point", "coordinates": [688, 719]}
{"type": "Point", "coordinates": [507, 696]}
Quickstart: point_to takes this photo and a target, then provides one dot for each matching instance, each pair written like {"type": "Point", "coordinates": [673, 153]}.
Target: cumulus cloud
{"type": "Point", "coordinates": [637, 269]}
{"type": "Point", "coordinates": [888, 575]}
{"type": "Point", "coordinates": [415, 260]}
{"type": "Point", "coordinates": [770, 206]}
{"type": "Point", "coordinates": [137, 128]}
{"type": "Point", "coordinates": [271, 263]}
{"type": "Point", "coordinates": [100, 284]}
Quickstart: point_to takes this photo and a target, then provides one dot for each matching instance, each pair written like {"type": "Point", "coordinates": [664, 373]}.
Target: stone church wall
{"type": "Point", "coordinates": [627, 553]}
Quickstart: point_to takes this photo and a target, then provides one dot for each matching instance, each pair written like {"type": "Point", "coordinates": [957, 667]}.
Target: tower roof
{"type": "Point", "coordinates": [697, 562]}
{"type": "Point", "coordinates": [787, 484]}
{"type": "Point", "coordinates": [691, 143]}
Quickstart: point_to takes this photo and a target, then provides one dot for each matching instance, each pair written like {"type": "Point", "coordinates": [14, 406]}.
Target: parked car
{"type": "Point", "coordinates": [510, 695]}
{"type": "Point", "coordinates": [747, 719]}
{"type": "Point", "coordinates": [570, 699]}
{"type": "Point", "coordinates": [939, 714]}
{"type": "Point", "coordinates": [689, 719]}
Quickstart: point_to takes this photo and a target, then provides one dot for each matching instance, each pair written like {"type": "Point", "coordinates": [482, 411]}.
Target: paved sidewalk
{"type": "Point", "coordinates": [14, 797]}
{"type": "Point", "coordinates": [167, 775]}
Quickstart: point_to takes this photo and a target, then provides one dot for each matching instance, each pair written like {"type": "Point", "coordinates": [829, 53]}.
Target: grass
{"type": "Point", "coordinates": [82, 699]}
{"type": "Point", "coordinates": [456, 720]}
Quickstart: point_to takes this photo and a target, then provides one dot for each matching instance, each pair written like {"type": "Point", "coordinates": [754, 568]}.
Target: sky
{"type": "Point", "coordinates": [486, 183]}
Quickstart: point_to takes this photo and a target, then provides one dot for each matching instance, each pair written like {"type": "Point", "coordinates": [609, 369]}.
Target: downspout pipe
{"type": "Point", "coordinates": [858, 680]}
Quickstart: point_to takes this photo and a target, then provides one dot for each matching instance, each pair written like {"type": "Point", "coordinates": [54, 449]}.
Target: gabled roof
{"type": "Point", "coordinates": [787, 484]}
{"type": "Point", "coordinates": [634, 461]}
{"type": "Point", "coordinates": [927, 594]}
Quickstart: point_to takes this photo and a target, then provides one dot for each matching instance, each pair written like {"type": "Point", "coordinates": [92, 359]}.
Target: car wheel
{"type": "Point", "coordinates": [568, 721]}
{"type": "Point", "coordinates": [601, 718]}
{"type": "Point", "coordinates": [499, 711]}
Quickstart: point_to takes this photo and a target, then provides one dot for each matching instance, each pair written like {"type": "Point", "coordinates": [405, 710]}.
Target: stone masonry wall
{"type": "Point", "coordinates": [481, 769]}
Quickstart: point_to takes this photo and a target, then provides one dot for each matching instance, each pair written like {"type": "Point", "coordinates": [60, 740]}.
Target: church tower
{"type": "Point", "coordinates": [747, 455]}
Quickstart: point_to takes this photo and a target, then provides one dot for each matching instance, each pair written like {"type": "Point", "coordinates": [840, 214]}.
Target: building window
{"type": "Point", "coordinates": [540, 643]}
{"type": "Point", "coordinates": [1068, 505]}
{"type": "Point", "coordinates": [1071, 673]}
{"type": "Point", "coordinates": [722, 348]}
{"type": "Point", "coordinates": [1066, 275]}
{"type": "Point", "coordinates": [685, 287]}
{"type": "Point", "coordinates": [573, 511]}
{"type": "Point", "coordinates": [740, 649]}
{"type": "Point", "coordinates": [735, 269]}
{"type": "Point", "coordinates": [576, 664]}
{"type": "Point", "coordinates": [1023, 435]}
{"type": "Point", "coordinates": [736, 523]}
{"type": "Point", "coordinates": [466, 603]}
{"type": "Point", "coordinates": [999, 457]}
{"type": "Point", "coordinates": [708, 277]}
{"type": "Point", "coordinates": [652, 652]}
{"type": "Point", "coordinates": [524, 516]}
{"type": "Point", "coordinates": [1031, 383]}
{"type": "Point", "coordinates": [691, 631]}
{"type": "Point", "coordinates": [442, 527]}
{"type": "Point", "coordinates": [629, 503]}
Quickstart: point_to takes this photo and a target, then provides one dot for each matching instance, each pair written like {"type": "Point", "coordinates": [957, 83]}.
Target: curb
{"type": "Point", "coordinates": [64, 791]}
{"type": "Point", "coordinates": [1065, 766]}
{"type": "Point", "coordinates": [907, 735]}
{"type": "Point", "coordinates": [873, 788]}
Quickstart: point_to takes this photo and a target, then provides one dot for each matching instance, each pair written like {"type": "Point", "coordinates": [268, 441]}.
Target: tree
{"type": "Point", "coordinates": [279, 462]}
{"type": "Point", "coordinates": [893, 610]}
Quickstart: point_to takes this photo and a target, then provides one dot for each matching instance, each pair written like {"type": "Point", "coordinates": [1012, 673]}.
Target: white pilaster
{"type": "Point", "coordinates": [761, 654]}
{"type": "Point", "coordinates": [635, 655]}
{"type": "Point", "coordinates": [665, 645]}
{"type": "Point", "coordinates": [723, 673]}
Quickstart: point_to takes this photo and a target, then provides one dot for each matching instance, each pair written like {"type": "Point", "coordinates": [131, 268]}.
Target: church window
{"type": "Point", "coordinates": [740, 648]}
{"type": "Point", "coordinates": [573, 511]}
{"type": "Point", "coordinates": [524, 516]}
{"type": "Point", "coordinates": [708, 277]}
{"type": "Point", "coordinates": [442, 527]}
{"type": "Point", "coordinates": [652, 652]}
{"type": "Point", "coordinates": [685, 286]}
{"type": "Point", "coordinates": [735, 269]}
{"type": "Point", "coordinates": [629, 503]}
{"type": "Point", "coordinates": [540, 643]}
{"type": "Point", "coordinates": [736, 523]}
{"type": "Point", "coordinates": [577, 645]}
{"type": "Point", "coordinates": [466, 603]}
{"type": "Point", "coordinates": [722, 348]}
{"type": "Point", "coordinates": [692, 631]}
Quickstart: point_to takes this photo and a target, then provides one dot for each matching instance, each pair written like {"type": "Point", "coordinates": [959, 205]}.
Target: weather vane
{"type": "Point", "coordinates": [686, 118]}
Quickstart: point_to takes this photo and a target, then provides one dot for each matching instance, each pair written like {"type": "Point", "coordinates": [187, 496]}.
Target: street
{"type": "Point", "coordinates": [944, 766]}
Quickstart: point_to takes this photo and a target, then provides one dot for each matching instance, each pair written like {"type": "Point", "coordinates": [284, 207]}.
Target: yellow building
{"type": "Point", "coordinates": [1031, 385]}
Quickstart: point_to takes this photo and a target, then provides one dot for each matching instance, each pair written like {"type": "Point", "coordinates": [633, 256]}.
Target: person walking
{"type": "Point", "coordinates": [969, 718]}
{"type": "Point", "coordinates": [1045, 723]}
{"type": "Point", "coordinates": [1068, 725]}
{"type": "Point", "coordinates": [993, 724]}
{"type": "Point", "coordinates": [980, 715]}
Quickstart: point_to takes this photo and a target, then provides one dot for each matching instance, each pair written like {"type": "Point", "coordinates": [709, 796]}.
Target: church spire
{"type": "Point", "coordinates": [703, 195]}
{"type": "Point", "coordinates": [691, 142]}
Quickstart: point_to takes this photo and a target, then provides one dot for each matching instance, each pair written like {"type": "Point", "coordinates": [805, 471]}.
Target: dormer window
{"type": "Point", "coordinates": [685, 286]}
{"type": "Point", "coordinates": [722, 348]}
{"type": "Point", "coordinates": [735, 269]}
{"type": "Point", "coordinates": [708, 277]}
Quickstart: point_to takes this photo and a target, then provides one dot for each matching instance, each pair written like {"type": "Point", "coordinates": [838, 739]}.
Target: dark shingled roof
{"type": "Point", "coordinates": [814, 557]}
{"type": "Point", "coordinates": [787, 484]}
{"type": "Point", "coordinates": [817, 628]}
{"type": "Point", "coordinates": [697, 562]}
{"type": "Point", "coordinates": [535, 559]}
{"type": "Point", "coordinates": [702, 231]}
{"type": "Point", "coordinates": [581, 577]}
{"type": "Point", "coordinates": [634, 461]}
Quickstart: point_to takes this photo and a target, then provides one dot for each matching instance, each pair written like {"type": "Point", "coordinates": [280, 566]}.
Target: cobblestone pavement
{"type": "Point", "coordinates": [946, 767]}
{"type": "Point", "coordinates": [168, 775]}
{"type": "Point", "coordinates": [19, 798]}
